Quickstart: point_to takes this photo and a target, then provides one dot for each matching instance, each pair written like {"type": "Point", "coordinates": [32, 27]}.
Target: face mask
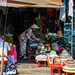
{"type": "Point", "coordinates": [33, 29]}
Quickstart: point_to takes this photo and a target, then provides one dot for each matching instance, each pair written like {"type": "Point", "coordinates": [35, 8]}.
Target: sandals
{"type": "Point", "coordinates": [25, 57]}
{"type": "Point", "coordinates": [20, 56]}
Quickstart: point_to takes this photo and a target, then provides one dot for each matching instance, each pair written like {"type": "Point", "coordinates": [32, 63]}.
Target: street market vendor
{"type": "Point", "coordinates": [24, 37]}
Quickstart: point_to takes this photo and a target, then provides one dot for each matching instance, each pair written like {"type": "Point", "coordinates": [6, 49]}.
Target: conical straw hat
{"type": "Point", "coordinates": [70, 60]}
{"type": "Point", "coordinates": [34, 26]}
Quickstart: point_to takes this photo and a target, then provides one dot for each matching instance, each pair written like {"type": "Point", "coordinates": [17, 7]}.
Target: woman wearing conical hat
{"type": "Point", "coordinates": [23, 38]}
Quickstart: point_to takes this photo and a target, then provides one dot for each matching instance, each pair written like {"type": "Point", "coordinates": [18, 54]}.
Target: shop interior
{"type": "Point", "coordinates": [20, 19]}
{"type": "Point", "coordinates": [51, 33]}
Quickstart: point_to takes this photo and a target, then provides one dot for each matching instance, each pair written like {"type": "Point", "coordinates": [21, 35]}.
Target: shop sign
{"type": "Point", "coordinates": [3, 2]}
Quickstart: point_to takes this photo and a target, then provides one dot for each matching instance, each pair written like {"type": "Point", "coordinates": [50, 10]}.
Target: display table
{"type": "Point", "coordinates": [42, 63]}
{"type": "Point", "coordinates": [32, 58]}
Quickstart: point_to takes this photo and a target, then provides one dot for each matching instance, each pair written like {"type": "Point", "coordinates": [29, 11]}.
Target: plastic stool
{"type": "Point", "coordinates": [32, 57]}
{"type": "Point", "coordinates": [52, 69]}
{"type": "Point", "coordinates": [41, 63]}
{"type": "Point", "coordinates": [66, 73]}
{"type": "Point", "coordinates": [5, 62]}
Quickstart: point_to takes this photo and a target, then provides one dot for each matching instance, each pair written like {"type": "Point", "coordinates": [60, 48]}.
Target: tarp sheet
{"type": "Point", "coordinates": [35, 3]}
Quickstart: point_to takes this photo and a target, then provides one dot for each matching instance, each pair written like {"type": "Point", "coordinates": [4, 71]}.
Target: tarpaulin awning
{"type": "Point", "coordinates": [45, 6]}
{"type": "Point", "coordinates": [16, 4]}
{"type": "Point", "coordinates": [35, 3]}
{"type": "Point", "coordinates": [55, 2]}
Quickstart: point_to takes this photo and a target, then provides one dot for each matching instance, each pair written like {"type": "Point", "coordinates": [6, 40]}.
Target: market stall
{"type": "Point", "coordinates": [52, 42]}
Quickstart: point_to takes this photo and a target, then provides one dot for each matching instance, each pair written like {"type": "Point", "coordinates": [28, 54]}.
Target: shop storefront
{"type": "Point", "coordinates": [53, 44]}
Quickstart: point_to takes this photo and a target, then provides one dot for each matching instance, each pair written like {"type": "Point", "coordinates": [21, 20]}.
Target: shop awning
{"type": "Point", "coordinates": [45, 6]}
{"type": "Point", "coordinates": [16, 4]}
{"type": "Point", "coordinates": [35, 3]}
{"type": "Point", "coordinates": [55, 2]}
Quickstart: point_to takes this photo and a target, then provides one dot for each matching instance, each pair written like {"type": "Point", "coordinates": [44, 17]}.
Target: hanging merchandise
{"type": "Point", "coordinates": [6, 49]}
{"type": "Point", "coordinates": [12, 54]}
{"type": "Point", "coordinates": [51, 11]}
{"type": "Point", "coordinates": [44, 27]}
{"type": "Point", "coordinates": [70, 12]}
{"type": "Point", "coordinates": [51, 14]}
{"type": "Point", "coordinates": [63, 12]}
{"type": "Point", "coordinates": [9, 37]}
{"type": "Point", "coordinates": [62, 15]}
{"type": "Point", "coordinates": [39, 24]}
{"type": "Point", "coordinates": [58, 24]}
{"type": "Point", "coordinates": [34, 10]}
{"type": "Point", "coordinates": [67, 31]}
{"type": "Point", "coordinates": [51, 20]}
{"type": "Point", "coordinates": [3, 2]}
{"type": "Point", "coordinates": [44, 20]}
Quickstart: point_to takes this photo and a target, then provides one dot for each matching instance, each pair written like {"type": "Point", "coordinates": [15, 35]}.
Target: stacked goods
{"type": "Point", "coordinates": [69, 65]}
{"type": "Point", "coordinates": [63, 56]}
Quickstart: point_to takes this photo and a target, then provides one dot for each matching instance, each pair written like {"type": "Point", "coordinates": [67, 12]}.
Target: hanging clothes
{"type": "Point", "coordinates": [15, 53]}
{"type": "Point", "coordinates": [62, 15]}
{"type": "Point", "coordinates": [11, 58]}
{"type": "Point", "coordinates": [1, 40]}
{"type": "Point", "coordinates": [51, 11]}
{"type": "Point", "coordinates": [70, 12]}
{"type": "Point", "coordinates": [12, 55]}
{"type": "Point", "coordinates": [63, 12]}
{"type": "Point", "coordinates": [11, 52]}
{"type": "Point", "coordinates": [39, 24]}
{"type": "Point", "coordinates": [6, 49]}
{"type": "Point", "coordinates": [23, 38]}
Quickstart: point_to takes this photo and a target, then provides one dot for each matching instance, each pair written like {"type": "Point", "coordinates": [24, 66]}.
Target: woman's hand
{"type": "Point", "coordinates": [31, 40]}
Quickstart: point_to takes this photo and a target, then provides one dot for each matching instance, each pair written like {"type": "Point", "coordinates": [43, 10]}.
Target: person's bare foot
{"type": "Point", "coordinates": [24, 57]}
{"type": "Point", "coordinates": [20, 56]}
